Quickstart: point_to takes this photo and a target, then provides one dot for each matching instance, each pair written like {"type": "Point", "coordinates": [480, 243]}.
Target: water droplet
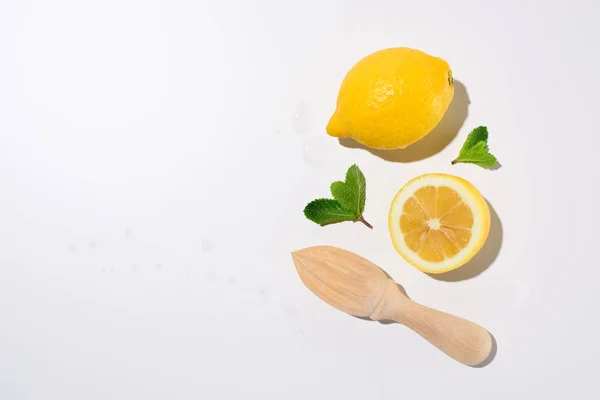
{"type": "Point", "coordinates": [211, 276]}
{"type": "Point", "coordinates": [159, 266]}
{"type": "Point", "coordinates": [232, 281]}
{"type": "Point", "coordinates": [103, 269]}
{"type": "Point", "coordinates": [300, 119]}
{"type": "Point", "coordinates": [278, 132]}
{"type": "Point", "coordinates": [111, 270]}
{"type": "Point", "coordinates": [73, 248]}
{"type": "Point", "coordinates": [134, 267]}
{"type": "Point", "coordinates": [264, 292]}
{"type": "Point", "coordinates": [129, 234]}
{"type": "Point", "coordinates": [92, 244]}
{"type": "Point", "coordinates": [207, 246]}
{"type": "Point", "coordinates": [314, 152]}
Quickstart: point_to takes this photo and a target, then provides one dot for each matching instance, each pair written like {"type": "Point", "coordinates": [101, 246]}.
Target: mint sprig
{"type": "Point", "coordinates": [476, 150]}
{"type": "Point", "coordinates": [348, 203]}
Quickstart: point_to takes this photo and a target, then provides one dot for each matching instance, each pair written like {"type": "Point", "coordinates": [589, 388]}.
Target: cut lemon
{"type": "Point", "coordinates": [438, 222]}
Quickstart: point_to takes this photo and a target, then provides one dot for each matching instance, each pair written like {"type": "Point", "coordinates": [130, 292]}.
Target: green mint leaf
{"type": "Point", "coordinates": [478, 154]}
{"type": "Point", "coordinates": [343, 195]}
{"type": "Point", "coordinates": [479, 134]}
{"type": "Point", "coordinates": [475, 150]}
{"type": "Point", "coordinates": [327, 211]}
{"type": "Point", "coordinates": [348, 203]}
{"type": "Point", "coordinates": [351, 194]}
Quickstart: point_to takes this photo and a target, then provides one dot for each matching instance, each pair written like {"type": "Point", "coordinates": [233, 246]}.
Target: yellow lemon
{"type": "Point", "coordinates": [392, 98]}
{"type": "Point", "coordinates": [438, 222]}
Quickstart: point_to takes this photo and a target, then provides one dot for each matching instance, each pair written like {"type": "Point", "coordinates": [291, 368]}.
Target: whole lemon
{"type": "Point", "coordinates": [392, 98]}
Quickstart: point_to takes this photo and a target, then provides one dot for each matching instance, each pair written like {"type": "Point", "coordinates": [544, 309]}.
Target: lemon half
{"type": "Point", "coordinates": [438, 222]}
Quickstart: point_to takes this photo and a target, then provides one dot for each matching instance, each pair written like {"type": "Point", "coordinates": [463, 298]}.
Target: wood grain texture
{"type": "Point", "coordinates": [358, 287]}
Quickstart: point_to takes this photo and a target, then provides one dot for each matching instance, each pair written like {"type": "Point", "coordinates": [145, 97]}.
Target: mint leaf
{"type": "Point", "coordinates": [351, 194]}
{"type": "Point", "coordinates": [348, 203]}
{"type": "Point", "coordinates": [475, 150]}
{"type": "Point", "coordinates": [479, 134]}
{"type": "Point", "coordinates": [327, 211]}
{"type": "Point", "coordinates": [477, 154]}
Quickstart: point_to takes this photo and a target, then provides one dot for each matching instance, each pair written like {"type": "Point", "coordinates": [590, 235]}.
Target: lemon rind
{"type": "Point", "coordinates": [469, 195]}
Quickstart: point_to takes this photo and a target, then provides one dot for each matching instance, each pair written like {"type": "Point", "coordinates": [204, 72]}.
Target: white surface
{"type": "Point", "coordinates": [152, 185]}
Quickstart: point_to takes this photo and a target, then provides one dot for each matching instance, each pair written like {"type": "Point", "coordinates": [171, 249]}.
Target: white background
{"type": "Point", "coordinates": [155, 158]}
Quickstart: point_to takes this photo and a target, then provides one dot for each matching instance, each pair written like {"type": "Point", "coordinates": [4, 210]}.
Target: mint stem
{"type": "Point", "coordinates": [361, 219]}
{"type": "Point", "coordinates": [454, 162]}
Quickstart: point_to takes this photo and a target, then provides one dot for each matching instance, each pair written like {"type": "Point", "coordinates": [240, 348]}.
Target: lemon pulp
{"type": "Point", "coordinates": [438, 222]}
